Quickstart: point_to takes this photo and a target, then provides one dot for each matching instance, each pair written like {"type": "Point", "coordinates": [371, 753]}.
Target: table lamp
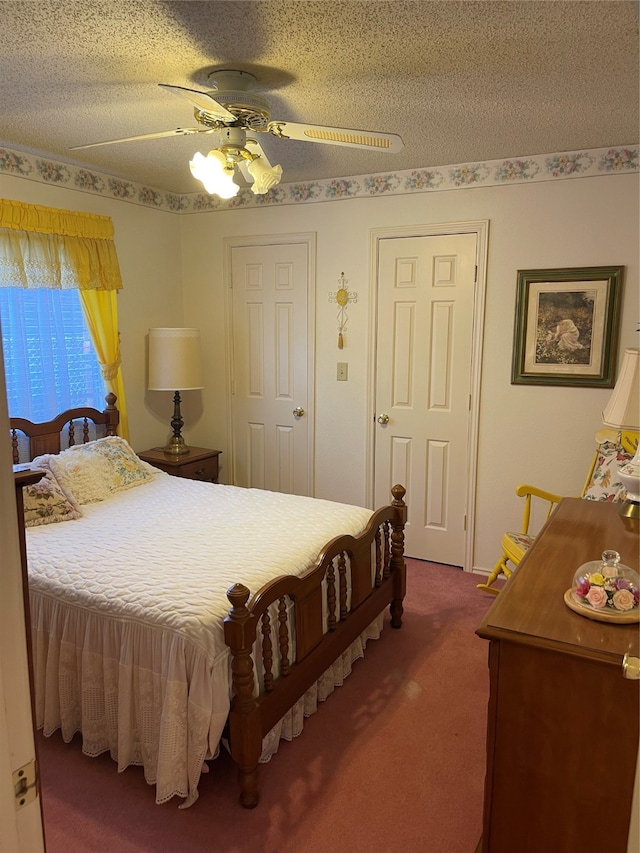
{"type": "Point", "coordinates": [175, 364]}
{"type": "Point", "coordinates": [623, 412]}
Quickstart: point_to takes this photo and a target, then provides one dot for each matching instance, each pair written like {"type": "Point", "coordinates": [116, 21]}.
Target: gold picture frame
{"type": "Point", "coordinates": [566, 326]}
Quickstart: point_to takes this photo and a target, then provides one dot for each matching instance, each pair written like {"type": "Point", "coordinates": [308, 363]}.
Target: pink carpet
{"type": "Point", "coordinates": [394, 760]}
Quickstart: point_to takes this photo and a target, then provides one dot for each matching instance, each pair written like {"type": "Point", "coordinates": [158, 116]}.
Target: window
{"type": "Point", "coordinates": [42, 247]}
{"type": "Point", "coordinates": [50, 362]}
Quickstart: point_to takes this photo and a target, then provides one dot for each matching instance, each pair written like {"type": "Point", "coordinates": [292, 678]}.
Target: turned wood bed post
{"type": "Point", "coordinates": [111, 413]}
{"type": "Point", "coordinates": [244, 720]}
{"type": "Point", "coordinates": [398, 568]}
{"type": "Point", "coordinates": [378, 579]}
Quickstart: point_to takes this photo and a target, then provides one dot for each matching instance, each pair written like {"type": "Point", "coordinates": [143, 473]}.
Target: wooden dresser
{"type": "Point", "coordinates": [562, 732]}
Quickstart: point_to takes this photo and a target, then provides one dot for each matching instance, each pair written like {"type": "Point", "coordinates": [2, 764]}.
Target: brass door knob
{"type": "Point", "coordinates": [383, 419]}
{"type": "Point", "coordinates": [298, 412]}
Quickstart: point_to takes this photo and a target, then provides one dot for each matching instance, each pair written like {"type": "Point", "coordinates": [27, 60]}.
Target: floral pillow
{"type": "Point", "coordinates": [94, 471]}
{"type": "Point", "coordinates": [605, 484]}
{"type": "Point", "coordinates": [127, 469]}
{"type": "Point", "coordinates": [46, 503]}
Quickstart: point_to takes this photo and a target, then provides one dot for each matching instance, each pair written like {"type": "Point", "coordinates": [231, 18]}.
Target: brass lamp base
{"type": "Point", "coordinates": [629, 476]}
{"type": "Point", "coordinates": [176, 445]}
{"type": "Point", "coordinates": [630, 509]}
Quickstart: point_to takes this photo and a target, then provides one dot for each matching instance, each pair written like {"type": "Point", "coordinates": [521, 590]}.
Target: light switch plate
{"type": "Point", "coordinates": [343, 371]}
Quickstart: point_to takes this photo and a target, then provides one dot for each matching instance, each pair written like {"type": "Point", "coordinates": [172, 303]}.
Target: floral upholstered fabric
{"type": "Point", "coordinates": [46, 503]}
{"type": "Point", "coordinates": [125, 467]}
{"type": "Point", "coordinates": [605, 484]}
{"type": "Point", "coordinates": [92, 472]}
{"type": "Point", "coordinates": [521, 540]}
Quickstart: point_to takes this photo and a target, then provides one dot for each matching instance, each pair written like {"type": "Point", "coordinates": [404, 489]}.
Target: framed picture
{"type": "Point", "coordinates": [566, 326]}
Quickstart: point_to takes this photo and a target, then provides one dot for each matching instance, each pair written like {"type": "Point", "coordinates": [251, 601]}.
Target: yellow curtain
{"type": "Point", "coordinates": [47, 247]}
{"type": "Point", "coordinates": [100, 310]}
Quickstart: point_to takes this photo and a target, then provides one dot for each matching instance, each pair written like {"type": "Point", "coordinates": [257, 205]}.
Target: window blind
{"type": "Point", "coordinates": [50, 361]}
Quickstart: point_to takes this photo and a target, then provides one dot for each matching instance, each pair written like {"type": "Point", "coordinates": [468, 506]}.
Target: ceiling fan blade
{"type": "Point", "coordinates": [179, 131]}
{"type": "Point", "coordinates": [201, 100]}
{"type": "Point", "coordinates": [389, 142]}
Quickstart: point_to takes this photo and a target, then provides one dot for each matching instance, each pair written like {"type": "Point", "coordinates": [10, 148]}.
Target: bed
{"type": "Point", "coordinates": [171, 616]}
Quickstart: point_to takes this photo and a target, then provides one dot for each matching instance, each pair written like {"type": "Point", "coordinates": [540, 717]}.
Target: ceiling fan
{"type": "Point", "coordinates": [233, 114]}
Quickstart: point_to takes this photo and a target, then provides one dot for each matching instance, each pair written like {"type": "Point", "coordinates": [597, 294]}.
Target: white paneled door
{"type": "Point", "coordinates": [270, 361]}
{"type": "Point", "coordinates": [423, 383]}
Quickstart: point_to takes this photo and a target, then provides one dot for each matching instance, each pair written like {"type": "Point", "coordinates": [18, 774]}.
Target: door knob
{"type": "Point", "coordinates": [383, 418]}
{"type": "Point", "coordinates": [298, 412]}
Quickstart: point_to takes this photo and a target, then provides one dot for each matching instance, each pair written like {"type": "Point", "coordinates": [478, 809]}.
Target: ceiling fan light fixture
{"type": "Point", "coordinates": [215, 172]}
{"type": "Point", "coordinates": [264, 176]}
{"type": "Point", "coordinates": [233, 113]}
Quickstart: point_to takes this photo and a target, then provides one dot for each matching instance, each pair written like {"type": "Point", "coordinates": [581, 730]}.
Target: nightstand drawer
{"type": "Point", "coordinates": [201, 469]}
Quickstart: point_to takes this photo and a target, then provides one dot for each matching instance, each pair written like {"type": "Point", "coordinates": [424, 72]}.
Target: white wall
{"type": "Point", "coordinates": [173, 273]}
{"type": "Point", "coordinates": [540, 434]}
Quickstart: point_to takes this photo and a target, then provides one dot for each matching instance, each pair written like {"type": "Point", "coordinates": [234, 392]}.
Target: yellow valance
{"type": "Point", "coordinates": [47, 247]}
{"type": "Point", "coordinates": [50, 220]}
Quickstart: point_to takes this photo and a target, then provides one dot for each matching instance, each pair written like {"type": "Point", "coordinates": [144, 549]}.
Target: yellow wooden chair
{"type": "Point", "coordinates": [602, 484]}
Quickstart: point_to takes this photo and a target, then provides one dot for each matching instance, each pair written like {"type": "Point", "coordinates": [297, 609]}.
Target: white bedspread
{"type": "Point", "coordinates": [128, 605]}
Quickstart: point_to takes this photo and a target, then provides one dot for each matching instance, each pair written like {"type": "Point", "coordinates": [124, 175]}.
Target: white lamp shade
{"type": "Point", "coordinates": [623, 409]}
{"type": "Point", "coordinates": [264, 176]}
{"type": "Point", "coordinates": [175, 360]}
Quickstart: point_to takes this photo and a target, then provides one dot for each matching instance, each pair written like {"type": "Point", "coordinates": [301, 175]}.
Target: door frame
{"type": "Point", "coordinates": [481, 229]}
{"type": "Point", "coordinates": [21, 829]}
{"type": "Point", "coordinates": [309, 238]}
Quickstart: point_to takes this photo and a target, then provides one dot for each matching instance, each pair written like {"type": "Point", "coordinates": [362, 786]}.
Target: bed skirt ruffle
{"type": "Point", "coordinates": [292, 724]}
{"type": "Point", "coordinates": [146, 695]}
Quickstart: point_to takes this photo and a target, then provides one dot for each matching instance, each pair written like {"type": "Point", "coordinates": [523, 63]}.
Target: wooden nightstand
{"type": "Point", "coordinates": [199, 464]}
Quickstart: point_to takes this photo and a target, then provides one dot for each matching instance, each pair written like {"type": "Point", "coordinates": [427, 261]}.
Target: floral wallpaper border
{"type": "Point", "coordinates": [517, 170]}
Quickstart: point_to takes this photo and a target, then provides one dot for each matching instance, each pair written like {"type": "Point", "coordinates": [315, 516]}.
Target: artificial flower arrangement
{"type": "Point", "coordinates": [607, 585]}
{"type": "Point", "coordinates": [600, 591]}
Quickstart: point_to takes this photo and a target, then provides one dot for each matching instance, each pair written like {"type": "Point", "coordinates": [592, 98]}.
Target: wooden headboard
{"type": "Point", "coordinates": [63, 430]}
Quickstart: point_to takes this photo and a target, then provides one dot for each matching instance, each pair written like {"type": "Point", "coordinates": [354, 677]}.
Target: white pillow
{"type": "Point", "coordinates": [94, 471]}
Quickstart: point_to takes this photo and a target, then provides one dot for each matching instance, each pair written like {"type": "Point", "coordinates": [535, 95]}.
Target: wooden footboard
{"type": "Point", "coordinates": [352, 582]}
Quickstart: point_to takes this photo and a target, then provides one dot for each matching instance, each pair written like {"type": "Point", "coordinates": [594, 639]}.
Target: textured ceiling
{"type": "Point", "coordinates": [461, 82]}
